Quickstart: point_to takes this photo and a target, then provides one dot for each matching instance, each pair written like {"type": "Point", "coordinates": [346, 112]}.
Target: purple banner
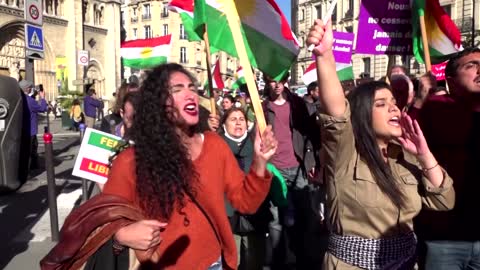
{"type": "Point", "coordinates": [384, 27]}
{"type": "Point", "coordinates": [342, 47]}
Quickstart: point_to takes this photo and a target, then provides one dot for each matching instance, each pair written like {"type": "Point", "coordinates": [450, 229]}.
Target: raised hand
{"type": "Point", "coordinates": [412, 138]}
{"type": "Point", "coordinates": [321, 36]}
{"type": "Point", "coordinates": [141, 235]}
{"type": "Point", "coordinates": [213, 122]}
{"type": "Point", "coordinates": [265, 145]}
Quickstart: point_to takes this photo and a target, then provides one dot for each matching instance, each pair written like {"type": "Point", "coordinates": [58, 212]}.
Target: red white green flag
{"type": "Point", "coordinates": [443, 35]}
{"type": "Point", "coordinates": [344, 73]}
{"type": "Point", "coordinates": [184, 8]}
{"type": "Point", "coordinates": [270, 44]}
{"type": "Point", "coordinates": [240, 78]}
{"type": "Point", "coordinates": [146, 53]}
{"type": "Point", "coordinates": [216, 77]}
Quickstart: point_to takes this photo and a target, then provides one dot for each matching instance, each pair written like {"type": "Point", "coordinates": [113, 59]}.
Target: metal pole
{"type": "Point", "coordinates": [473, 23]}
{"type": "Point", "coordinates": [112, 127]}
{"type": "Point", "coordinates": [84, 3]}
{"type": "Point", "coordinates": [52, 196]}
{"type": "Point", "coordinates": [84, 181]}
{"type": "Point", "coordinates": [48, 118]}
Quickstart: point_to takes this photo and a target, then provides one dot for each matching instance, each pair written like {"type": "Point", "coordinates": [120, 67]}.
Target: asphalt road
{"type": "Point", "coordinates": [24, 215]}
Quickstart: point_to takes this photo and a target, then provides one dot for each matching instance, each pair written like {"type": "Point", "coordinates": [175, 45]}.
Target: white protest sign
{"type": "Point", "coordinates": [92, 159]}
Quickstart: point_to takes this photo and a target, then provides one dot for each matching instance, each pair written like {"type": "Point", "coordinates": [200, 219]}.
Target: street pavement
{"type": "Point", "coordinates": [25, 219]}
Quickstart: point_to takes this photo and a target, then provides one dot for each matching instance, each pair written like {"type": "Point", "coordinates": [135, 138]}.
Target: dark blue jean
{"type": "Point", "coordinates": [293, 232]}
{"type": "Point", "coordinates": [452, 255]}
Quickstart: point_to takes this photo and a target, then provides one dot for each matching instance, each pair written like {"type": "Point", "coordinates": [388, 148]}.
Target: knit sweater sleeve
{"type": "Point", "coordinates": [245, 192]}
{"type": "Point", "coordinates": [122, 176]}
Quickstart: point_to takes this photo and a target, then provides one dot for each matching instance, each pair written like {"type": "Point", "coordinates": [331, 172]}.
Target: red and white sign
{"type": "Point", "coordinates": [83, 58]}
{"type": "Point", "coordinates": [34, 12]}
{"type": "Point", "coordinates": [439, 71]}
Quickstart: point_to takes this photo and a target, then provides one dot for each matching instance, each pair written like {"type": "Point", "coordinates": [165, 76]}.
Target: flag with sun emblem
{"type": "Point", "coordinates": [146, 53]}
{"type": "Point", "coordinates": [271, 46]}
{"type": "Point", "coordinates": [239, 79]}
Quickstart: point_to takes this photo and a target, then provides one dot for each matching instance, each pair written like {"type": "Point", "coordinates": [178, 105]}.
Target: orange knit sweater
{"type": "Point", "coordinates": [194, 246]}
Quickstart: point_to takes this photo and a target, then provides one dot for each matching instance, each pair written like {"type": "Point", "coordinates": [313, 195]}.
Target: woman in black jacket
{"type": "Point", "coordinates": [249, 230]}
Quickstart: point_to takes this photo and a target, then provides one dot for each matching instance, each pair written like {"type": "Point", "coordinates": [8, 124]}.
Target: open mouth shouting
{"type": "Point", "coordinates": [191, 109]}
{"type": "Point", "coordinates": [394, 121]}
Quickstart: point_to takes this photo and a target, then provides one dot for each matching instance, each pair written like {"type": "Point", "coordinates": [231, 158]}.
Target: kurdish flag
{"type": "Point", "coordinates": [442, 34]}
{"type": "Point", "coordinates": [270, 44]}
{"type": "Point", "coordinates": [185, 9]}
{"type": "Point", "coordinates": [146, 53]}
{"type": "Point", "coordinates": [216, 78]}
{"type": "Point", "coordinates": [344, 73]}
{"type": "Point", "coordinates": [240, 79]}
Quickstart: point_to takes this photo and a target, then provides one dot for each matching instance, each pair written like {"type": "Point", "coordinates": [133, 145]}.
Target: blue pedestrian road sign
{"type": "Point", "coordinates": [34, 37]}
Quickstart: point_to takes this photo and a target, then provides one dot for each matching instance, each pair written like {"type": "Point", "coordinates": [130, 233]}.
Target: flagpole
{"type": "Point", "coordinates": [213, 107]}
{"type": "Point", "coordinates": [391, 60]}
{"type": "Point", "coordinates": [426, 48]}
{"type": "Point", "coordinates": [234, 24]}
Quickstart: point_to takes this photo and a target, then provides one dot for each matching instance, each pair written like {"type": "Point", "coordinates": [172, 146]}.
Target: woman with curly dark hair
{"type": "Point", "coordinates": [178, 178]}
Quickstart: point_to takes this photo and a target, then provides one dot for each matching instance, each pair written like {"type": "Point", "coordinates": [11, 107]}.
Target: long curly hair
{"type": "Point", "coordinates": [165, 172]}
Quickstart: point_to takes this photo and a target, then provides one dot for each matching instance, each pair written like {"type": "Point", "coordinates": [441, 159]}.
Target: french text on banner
{"type": "Point", "coordinates": [384, 27]}
{"type": "Point", "coordinates": [95, 167]}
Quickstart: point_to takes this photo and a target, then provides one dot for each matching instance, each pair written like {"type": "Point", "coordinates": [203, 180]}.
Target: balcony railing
{"type": "Point", "coordinates": [134, 19]}
{"type": "Point", "coordinates": [164, 14]}
{"type": "Point", "coordinates": [183, 36]}
{"type": "Point", "coordinates": [146, 17]}
{"type": "Point", "coordinates": [464, 24]}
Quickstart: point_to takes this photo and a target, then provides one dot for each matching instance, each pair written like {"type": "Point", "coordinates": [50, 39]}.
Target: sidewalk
{"type": "Point", "coordinates": [25, 216]}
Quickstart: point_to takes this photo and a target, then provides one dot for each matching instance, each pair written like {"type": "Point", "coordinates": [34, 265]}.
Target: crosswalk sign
{"type": "Point", "coordinates": [34, 37]}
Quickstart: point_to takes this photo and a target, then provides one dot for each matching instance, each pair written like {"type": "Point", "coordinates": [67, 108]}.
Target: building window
{"type": "Point", "coordinates": [183, 55]}
{"type": "Point", "coordinates": [135, 34]}
{"type": "Point", "coordinates": [165, 10]}
{"type": "Point", "coordinates": [134, 18]}
{"type": "Point", "coordinates": [448, 9]}
{"type": "Point", "coordinates": [122, 16]}
{"type": "Point", "coordinates": [334, 14]}
{"type": "Point", "coordinates": [148, 31]}
{"type": "Point", "coordinates": [165, 29]}
{"type": "Point", "coordinates": [319, 11]}
{"type": "Point", "coordinates": [183, 35]}
{"type": "Point", "coordinates": [147, 15]}
{"type": "Point", "coordinates": [349, 29]}
{"type": "Point", "coordinates": [366, 67]}
{"type": "Point", "coordinates": [302, 15]}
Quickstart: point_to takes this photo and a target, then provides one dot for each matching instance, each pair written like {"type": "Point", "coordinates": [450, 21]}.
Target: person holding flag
{"type": "Point", "coordinates": [378, 170]}
{"type": "Point", "coordinates": [179, 178]}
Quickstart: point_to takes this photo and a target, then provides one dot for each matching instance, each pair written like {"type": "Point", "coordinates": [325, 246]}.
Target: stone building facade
{"type": "Point", "coordinates": [345, 18]}
{"type": "Point", "coordinates": [65, 33]}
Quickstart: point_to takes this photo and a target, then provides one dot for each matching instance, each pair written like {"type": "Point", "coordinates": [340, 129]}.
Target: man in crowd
{"type": "Point", "coordinates": [288, 115]}
{"type": "Point", "coordinates": [311, 98]}
{"type": "Point", "coordinates": [34, 108]}
{"type": "Point", "coordinates": [451, 125]}
{"type": "Point", "coordinates": [90, 106]}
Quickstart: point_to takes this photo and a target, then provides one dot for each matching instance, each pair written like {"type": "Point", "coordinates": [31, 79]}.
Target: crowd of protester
{"type": "Point", "coordinates": [381, 177]}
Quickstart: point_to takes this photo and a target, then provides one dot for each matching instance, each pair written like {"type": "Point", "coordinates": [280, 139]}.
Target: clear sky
{"type": "Point", "coordinates": [285, 7]}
